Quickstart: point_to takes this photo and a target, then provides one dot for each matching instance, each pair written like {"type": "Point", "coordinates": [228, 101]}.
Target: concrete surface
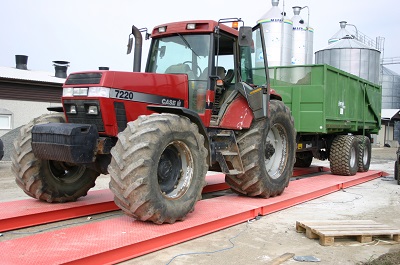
{"type": "Point", "coordinates": [261, 241]}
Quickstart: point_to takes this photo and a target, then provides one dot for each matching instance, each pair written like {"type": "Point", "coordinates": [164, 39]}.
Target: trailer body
{"type": "Point", "coordinates": [327, 104]}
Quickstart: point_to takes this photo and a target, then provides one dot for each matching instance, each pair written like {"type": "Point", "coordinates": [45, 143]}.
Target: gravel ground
{"type": "Point", "coordinates": [261, 241]}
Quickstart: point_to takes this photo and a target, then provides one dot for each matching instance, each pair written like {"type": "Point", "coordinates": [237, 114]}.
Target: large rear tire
{"type": "Point", "coordinates": [364, 153]}
{"type": "Point", "coordinates": [158, 168]}
{"type": "Point", "coordinates": [47, 180]}
{"type": "Point", "coordinates": [344, 154]}
{"type": "Point", "coordinates": [268, 151]}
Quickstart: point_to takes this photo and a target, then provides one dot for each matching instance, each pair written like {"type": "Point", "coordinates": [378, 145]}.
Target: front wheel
{"type": "Point", "coordinates": [158, 168]}
{"type": "Point", "coordinates": [268, 151]}
{"type": "Point", "coordinates": [48, 180]}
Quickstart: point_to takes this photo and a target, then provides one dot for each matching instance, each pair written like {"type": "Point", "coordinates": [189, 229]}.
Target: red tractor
{"type": "Point", "coordinates": [203, 103]}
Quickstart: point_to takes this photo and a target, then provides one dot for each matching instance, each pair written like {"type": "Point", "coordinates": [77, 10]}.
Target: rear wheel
{"type": "Point", "coordinates": [268, 151]}
{"type": "Point", "coordinates": [364, 153]}
{"type": "Point", "coordinates": [158, 168]}
{"type": "Point", "coordinates": [48, 180]}
{"type": "Point", "coordinates": [303, 159]}
{"type": "Point", "coordinates": [343, 156]}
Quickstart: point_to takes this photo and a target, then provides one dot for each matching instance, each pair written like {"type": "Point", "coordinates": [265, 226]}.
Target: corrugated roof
{"type": "Point", "coordinates": [39, 76]}
{"type": "Point", "coordinates": [388, 114]}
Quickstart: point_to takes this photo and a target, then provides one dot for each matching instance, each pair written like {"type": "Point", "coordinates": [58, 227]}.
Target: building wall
{"type": "Point", "coordinates": [387, 130]}
{"type": "Point", "coordinates": [23, 111]}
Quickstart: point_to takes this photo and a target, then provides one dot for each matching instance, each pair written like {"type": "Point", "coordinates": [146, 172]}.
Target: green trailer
{"type": "Point", "coordinates": [335, 114]}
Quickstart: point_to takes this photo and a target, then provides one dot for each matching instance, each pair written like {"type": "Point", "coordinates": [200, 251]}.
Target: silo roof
{"type": "Point", "coordinates": [348, 43]}
{"type": "Point", "coordinates": [387, 71]}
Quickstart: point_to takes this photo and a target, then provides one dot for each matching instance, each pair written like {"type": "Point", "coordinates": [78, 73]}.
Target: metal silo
{"type": "Point", "coordinates": [302, 39]}
{"type": "Point", "coordinates": [278, 36]}
{"type": "Point", "coordinates": [390, 89]}
{"type": "Point", "coordinates": [351, 55]}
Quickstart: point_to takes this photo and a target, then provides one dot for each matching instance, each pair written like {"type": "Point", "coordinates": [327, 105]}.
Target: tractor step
{"type": "Point", "coordinates": [228, 153]}
{"type": "Point", "coordinates": [235, 172]}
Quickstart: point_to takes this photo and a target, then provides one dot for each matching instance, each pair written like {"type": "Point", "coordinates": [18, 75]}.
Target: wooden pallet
{"type": "Point", "coordinates": [362, 230]}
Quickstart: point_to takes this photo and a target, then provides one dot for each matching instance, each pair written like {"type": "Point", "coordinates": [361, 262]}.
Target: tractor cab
{"type": "Point", "coordinates": [217, 67]}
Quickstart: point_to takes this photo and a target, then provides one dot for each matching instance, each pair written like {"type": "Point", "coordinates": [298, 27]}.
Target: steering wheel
{"type": "Point", "coordinates": [198, 68]}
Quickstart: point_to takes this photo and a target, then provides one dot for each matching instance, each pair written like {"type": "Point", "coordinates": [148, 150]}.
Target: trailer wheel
{"type": "Point", "coordinates": [47, 180]}
{"type": "Point", "coordinates": [364, 153]}
{"type": "Point", "coordinates": [344, 155]}
{"type": "Point", "coordinates": [303, 159]}
{"type": "Point", "coordinates": [268, 150]}
{"type": "Point", "coordinates": [158, 168]}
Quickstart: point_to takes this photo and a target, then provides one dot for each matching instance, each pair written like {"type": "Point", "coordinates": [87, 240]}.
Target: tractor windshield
{"type": "Point", "coordinates": [183, 54]}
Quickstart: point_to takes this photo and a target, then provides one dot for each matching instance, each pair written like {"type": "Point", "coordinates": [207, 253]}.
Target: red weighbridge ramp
{"type": "Point", "coordinates": [122, 238]}
{"type": "Point", "coordinates": [30, 212]}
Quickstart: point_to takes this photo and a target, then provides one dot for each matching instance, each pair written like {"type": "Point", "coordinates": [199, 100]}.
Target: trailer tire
{"type": "Point", "coordinates": [268, 151]}
{"type": "Point", "coordinates": [343, 155]}
{"type": "Point", "coordinates": [303, 159]}
{"type": "Point", "coordinates": [364, 153]}
{"type": "Point", "coordinates": [47, 180]}
{"type": "Point", "coordinates": [158, 168]}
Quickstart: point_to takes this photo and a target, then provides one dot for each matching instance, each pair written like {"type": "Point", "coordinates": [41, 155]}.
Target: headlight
{"type": "Point", "coordinates": [68, 92]}
{"type": "Point", "coordinates": [92, 110]}
{"type": "Point", "coordinates": [103, 92]}
{"type": "Point", "coordinates": [80, 91]}
{"type": "Point", "coordinates": [71, 109]}
{"type": "Point", "coordinates": [75, 91]}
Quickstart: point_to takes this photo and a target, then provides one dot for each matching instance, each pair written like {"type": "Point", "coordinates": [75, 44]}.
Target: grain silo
{"type": "Point", "coordinates": [390, 89]}
{"type": "Point", "coordinates": [302, 39]}
{"type": "Point", "coordinates": [278, 36]}
{"type": "Point", "coordinates": [351, 55]}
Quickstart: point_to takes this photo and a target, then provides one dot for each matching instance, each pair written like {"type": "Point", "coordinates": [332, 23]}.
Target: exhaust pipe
{"type": "Point", "coordinates": [137, 57]}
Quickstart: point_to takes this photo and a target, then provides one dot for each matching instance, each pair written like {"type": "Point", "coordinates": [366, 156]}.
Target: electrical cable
{"type": "Point", "coordinates": [219, 250]}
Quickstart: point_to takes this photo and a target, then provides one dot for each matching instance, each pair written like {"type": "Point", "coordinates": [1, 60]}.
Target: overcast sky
{"type": "Point", "coordinates": [94, 33]}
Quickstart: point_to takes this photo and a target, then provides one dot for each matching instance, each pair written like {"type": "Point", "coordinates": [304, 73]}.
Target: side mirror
{"type": "Point", "coordinates": [162, 51]}
{"type": "Point", "coordinates": [245, 36]}
{"type": "Point", "coordinates": [130, 44]}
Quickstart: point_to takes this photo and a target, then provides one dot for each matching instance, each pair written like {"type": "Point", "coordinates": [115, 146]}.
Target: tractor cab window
{"type": "Point", "coordinates": [252, 61]}
{"type": "Point", "coordinates": [183, 54]}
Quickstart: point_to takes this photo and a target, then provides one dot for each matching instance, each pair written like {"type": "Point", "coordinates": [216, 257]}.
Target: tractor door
{"type": "Point", "coordinates": [254, 71]}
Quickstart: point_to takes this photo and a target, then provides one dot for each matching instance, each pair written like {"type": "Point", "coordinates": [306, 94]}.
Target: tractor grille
{"type": "Point", "coordinates": [83, 79]}
{"type": "Point", "coordinates": [81, 117]}
{"type": "Point", "coordinates": [120, 115]}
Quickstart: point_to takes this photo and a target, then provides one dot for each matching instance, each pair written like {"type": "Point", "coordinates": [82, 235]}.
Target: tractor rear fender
{"type": "Point", "coordinates": [193, 116]}
{"type": "Point", "coordinates": [238, 115]}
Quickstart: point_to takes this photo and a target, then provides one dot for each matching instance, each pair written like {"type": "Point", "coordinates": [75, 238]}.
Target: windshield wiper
{"type": "Point", "coordinates": [187, 44]}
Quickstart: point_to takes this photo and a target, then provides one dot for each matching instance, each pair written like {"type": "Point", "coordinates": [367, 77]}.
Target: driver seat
{"type": "Point", "coordinates": [180, 69]}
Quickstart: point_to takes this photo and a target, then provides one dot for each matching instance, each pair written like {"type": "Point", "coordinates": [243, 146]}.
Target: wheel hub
{"type": "Point", "coordinates": [169, 170]}
{"type": "Point", "coordinates": [269, 150]}
{"type": "Point", "coordinates": [175, 170]}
